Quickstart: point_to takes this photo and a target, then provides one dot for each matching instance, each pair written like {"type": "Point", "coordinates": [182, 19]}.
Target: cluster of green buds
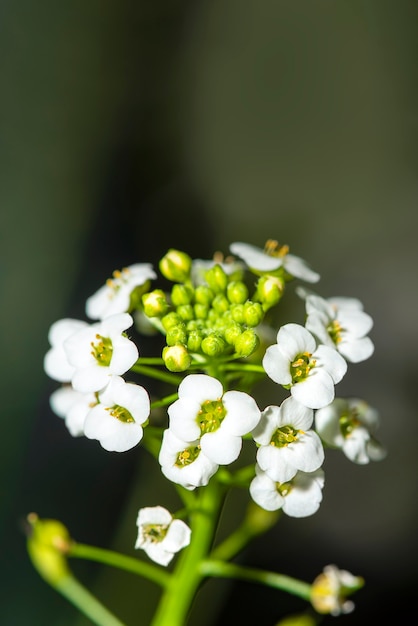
{"type": "Point", "coordinates": [211, 319]}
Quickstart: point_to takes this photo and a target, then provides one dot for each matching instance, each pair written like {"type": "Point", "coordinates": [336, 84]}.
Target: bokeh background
{"type": "Point", "coordinates": [131, 127]}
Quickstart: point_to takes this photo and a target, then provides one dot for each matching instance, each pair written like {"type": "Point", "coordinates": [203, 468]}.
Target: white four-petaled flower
{"type": "Point", "coordinates": [272, 258]}
{"type": "Point", "coordinates": [218, 420]}
{"type": "Point", "coordinates": [159, 535]}
{"type": "Point", "coordinates": [115, 295]}
{"type": "Point", "coordinates": [350, 424]}
{"type": "Point", "coordinates": [116, 420]}
{"type": "Point", "coordinates": [308, 369]}
{"type": "Point", "coordinates": [99, 351]}
{"type": "Point", "coordinates": [287, 442]}
{"type": "Point", "coordinates": [299, 497]}
{"type": "Point", "coordinates": [342, 324]}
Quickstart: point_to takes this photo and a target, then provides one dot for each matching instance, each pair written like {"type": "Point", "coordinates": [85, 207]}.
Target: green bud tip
{"type": "Point", "coordinates": [154, 303]}
{"type": "Point", "coordinates": [176, 266]}
{"type": "Point", "coordinates": [176, 358]}
{"type": "Point", "coordinates": [48, 544]}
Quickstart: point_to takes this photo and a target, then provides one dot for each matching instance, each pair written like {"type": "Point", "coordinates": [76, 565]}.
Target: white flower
{"type": "Point", "coordinates": [350, 424]}
{"type": "Point", "coordinates": [330, 589]}
{"type": "Point", "coordinates": [73, 406]}
{"type": "Point", "coordinates": [287, 442]}
{"type": "Point", "coordinates": [272, 258]}
{"type": "Point", "coordinates": [342, 324]}
{"type": "Point", "coordinates": [56, 363]}
{"type": "Point", "coordinates": [159, 535]}
{"type": "Point", "coordinates": [184, 463]}
{"type": "Point", "coordinates": [99, 351]}
{"type": "Point", "coordinates": [203, 412]}
{"type": "Point", "coordinates": [299, 497]}
{"type": "Point", "coordinates": [115, 296]}
{"type": "Point", "coordinates": [310, 371]}
{"type": "Point", "coordinates": [116, 421]}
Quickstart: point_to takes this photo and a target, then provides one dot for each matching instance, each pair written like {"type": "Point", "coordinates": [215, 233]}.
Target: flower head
{"type": "Point", "coordinates": [273, 258]}
{"type": "Point", "coordinates": [115, 296]}
{"type": "Point", "coordinates": [342, 324]}
{"type": "Point", "coordinates": [298, 497]}
{"type": "Point", "coordinates": [310, 371]}
{"type": "Point", "coordinates": [159, 535]}
{"type": "Point", "coordinates": [350, 424]}
{"type": "Point", "coordinates": [331, 588]}
{"type": "Point", "coordinates": [287, 442]}
{"type": "Point", "coordinates": [99, 351]}
{"type": "Point", "coordinates": [217, 420]}
{"type": "Point", "coordinates": [116, 421]}
{"type": "Point", "coordinates": [184, 462]}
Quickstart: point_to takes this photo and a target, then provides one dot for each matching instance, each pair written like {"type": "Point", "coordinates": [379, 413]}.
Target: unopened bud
{"type": "Point", "coordinates": [203, 294]}
{"type": "Point", "coordinates": [176, 334]}
{"type": "Point", "coordinates": [48, 543]}
{"type": "Point", "coordinates": [246, 343]}
{"type": "Point", "coordinates": [181, 294]}
{"type": "Point", "coordinates": [232, 332]}
{"type": "Point", "coordinates": [237, 292]}
{"type": "Point", "coordinates": [216, 278]}
{"type": "Point", "coordinates": [176, 358]}
{"type": "Point", "coordinates": [270, 290]}
{"type": "Point", "coordinates": [253, 313]}
{"type": "Point", "coordinates": [194, 340]}
{"type": "Point", "coordinates": [176, 266]}
{"type": "Point", "coordinates": [213, 345]}
{"type": "Point", "coordinates": [185, 312]}
{"type": "Point", "coordinates": [170, 320]}
{"type": "Point", "coordinates": [154, 303]}
{"type": "Point", "coordinates": [220, 303]}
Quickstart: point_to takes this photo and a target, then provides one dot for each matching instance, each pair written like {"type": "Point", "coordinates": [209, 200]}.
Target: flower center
{"type": "Point", "coordinates": [154, 533]}
{"type": "Point", "coordinates": [122, 414]}
{"type": "Point", "coordinates": [119, 277]}
{"type": "Point", "coordinates": [187, 456]}
{"type": "Point", "coordinates": [273, 248]}
{"type": "Point", "coordinates": [210, 416]}
{"type": "Point", "coordinates": [301, 366]}
{"type": "Point", "coordinates": [334, 330]}
{"type": "Point", "coordinates": [284, 435]}
{"type": "Point", "coordinates": [348, 423]}
{"type": "Point", "coordinates": [102, 350]}
{"type": "Point", "coordinates": [284, 488]}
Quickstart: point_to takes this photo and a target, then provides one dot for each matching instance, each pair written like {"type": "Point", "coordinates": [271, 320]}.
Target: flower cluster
{"type": "Point", "coordinates": [214, 320]}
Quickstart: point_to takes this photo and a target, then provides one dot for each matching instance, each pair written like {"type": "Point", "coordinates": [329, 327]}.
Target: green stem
{"type": "Point", "coordinates": [164, 401]}
{"type": "Point", "coordinates": [121, 561]}
{"type": "Point", "coordinates": [187, 577]}
{"type": "Point", "coordinates": [81, 598]}
{"type": "Point", "coordinates": [220, 569]}
{"type": "Point", "coordinates": [158, 374]}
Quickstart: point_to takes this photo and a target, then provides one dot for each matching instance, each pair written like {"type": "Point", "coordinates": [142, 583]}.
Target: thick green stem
{"type": "Point", "coordinates": [221, 569]}
{"type": "Point", "coordinates": [187, 577]}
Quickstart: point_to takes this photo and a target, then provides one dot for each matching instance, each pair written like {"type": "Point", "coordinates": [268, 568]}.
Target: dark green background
{"type": "Point", "coordinates": [131, 127]}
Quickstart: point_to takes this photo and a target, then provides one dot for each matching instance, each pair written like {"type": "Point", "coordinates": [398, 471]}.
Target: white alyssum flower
{"type": "Point", "coordinates": [218, 420]}
{"type": "Point", "coordinates": [159, 535]}
{"type": "Point", "coordinates": [309, 370]}
{"type": "Point", "coordinates": [73, 406]}
{"type": "Point", "coordinates": [116, 421]}
{"type": "Point", "coordinates": [99, 351]}
{"type": "Point", "coordinates": [350, 424]}
{"type": "Point", "coordinates": [115, 295]}
{"type": "Point", "coordinates": [287, 442]}
{"type": "Point", "coordinates": [56, 363]}
{"type": "Point", "coordinates": [184, 463]}
{"type": "Point", "coordinates": [331, 588]}
{"type": "Point", "coordinates": [272, 258]}
{"type": "Point", "coordinates": [342, 324]}
{"type": "Point", "coordinates": [299, 497]}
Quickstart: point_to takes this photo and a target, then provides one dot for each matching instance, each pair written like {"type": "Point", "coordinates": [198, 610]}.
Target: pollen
{"type": "Point", "coordinates": [273, 248]}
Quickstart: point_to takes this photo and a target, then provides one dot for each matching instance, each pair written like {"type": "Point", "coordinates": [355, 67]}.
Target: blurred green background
{"type": "Point", "coordinates": [130, 127]}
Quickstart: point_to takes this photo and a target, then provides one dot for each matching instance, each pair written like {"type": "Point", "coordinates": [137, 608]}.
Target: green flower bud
{"type": "Point", "coordinates": [176, 358]}
{"type": "Point", "coordinates": [186, 312]}
{"type": "Point", "coordinates": [216, 278]}
{"type": "Point", "coordinates": [194, 340]}
{"type": "Point", "coordinates": [246, 343]}
{"type": "Point", "coordinates": [181, 294]}
{"type": "Point", "coordinates": [220, 303]}
{"type": "Point", "coordinates": [48, 543]}
{"type": "Point", "coordinates": [176, 334]}
{"type": "Point", "coordinates": [203, 295]}
{"type": "Point", "coordinates": [232, 332]}
{"type": "Point", "coordinates": [238, 315]}
{"type": "Point", "coordinates": [270, 290]}
{"type": "Point", "coordinates": [253, 313]}
{"type": "Point", "coordinates": [176, 266]}
{"type": "Point", "coordinates": [154, 303]}
{"type": "Point", "coordinates": [201, 311]}
{"type": "Point", "coordinates": [213, 345]}
{"type": "Point", "coordinates": [170, 320]}
{"type": "Point", "coordinates": [237, 292]}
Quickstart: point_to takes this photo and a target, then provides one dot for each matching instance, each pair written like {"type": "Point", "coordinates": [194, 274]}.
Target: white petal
{"type": "Point", "coordinates": [125, 354]}
{"type": "Point", "coordinates": [263, 491]}
{"type": "Point", "coordinates": [333, 362]}
{"type": "Point", "coordinates": [177, 537]}
{"type": "Point", "coordinates": [296, 414]}
{"type": "Point", "coordinates": [316, 391]}
{"type": "Point", "coordinates": [255, 257]}
{"type": "Point", "coordinates": [153, 515]}
{"type": "Point", "coordinates": [113, 435]}
{"type": "Point", "coordinates": [158, 554]}
{"type": "Point", "coordinates": [305, 496]}
{"type": "Point", "coordinates": [356, 350]}
{"type": "Point", "coordinates": [327, 422]}
{"type": "Point", "coordinates": [91, 378]}
{"type": "Point", "coordinates": [269, 422]}
{"type": "Point", "coordinates": [200, 387]}
{"type": "Point", "coordinates": [277, 365]}
{"type": "Point", "coordinates": [183, 418]}
{"type": "Point", "coordinates": [220, 447]}
{"type": "Point", "coordinates": [294, 339]}
{"type": "Point", "coordinates": [242, 414]}
{"type": "Point", "coordinates": [299, 268]}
